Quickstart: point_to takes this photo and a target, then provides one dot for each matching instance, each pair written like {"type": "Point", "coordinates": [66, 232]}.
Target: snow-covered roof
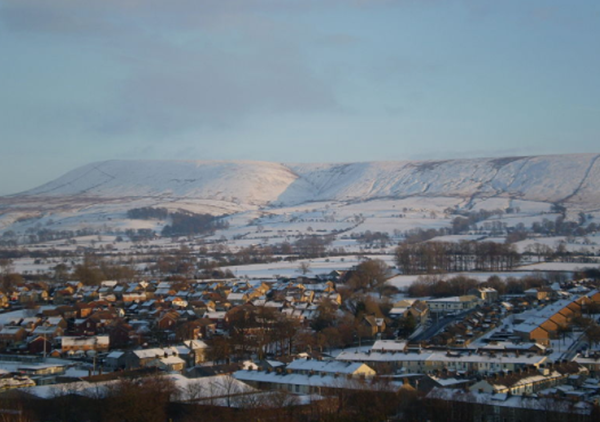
{"type": "Point", "coordinates": [330, 366]}
{"type": "Point", "coordinates": [320, 380]}
{"type": "Point", "coordinates": [195, 344]}
{"type": "Point", "coordinates": [80, 341]}
{"type": "Point", "coordinates": [172, 360]}
{"type": "Point", "coordinates": [505, 400]}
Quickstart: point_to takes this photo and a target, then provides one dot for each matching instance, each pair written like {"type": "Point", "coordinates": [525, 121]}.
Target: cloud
{"type": "Point", "coordinates": [91, 15]}
{"type": "Point", "coordinates": [186, 65]}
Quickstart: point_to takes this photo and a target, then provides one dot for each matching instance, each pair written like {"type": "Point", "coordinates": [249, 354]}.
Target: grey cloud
{"type": "Point", "coordinates": [338, 40]}
{"type": "Point", "coordinates": [217, 90]}
{"type": "Point", "coordinates": [232, 64]}
{"type": "Point", "coordinates": [91, 16]}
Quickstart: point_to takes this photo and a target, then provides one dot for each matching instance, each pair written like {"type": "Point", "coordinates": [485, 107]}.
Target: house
{"type": "Point", "coordinates": [39, 345]}
{"type": "Point", "coordinates": [134, 297]}
{"type": "Point", "coordinates": [66, 311]}
{"type": "Point", "coordinates": [406, 360]}
{"type": "Point", "coordinates": [4, 300]}
{"type": "Point", "coordinates": [56, 320]}
{"type": "Point", "coordinates": [169, 363]}
{"type": "Point", "coordinates": [188, 330]}
{"type": "Point", "coordinates": [591, 361]}
{"type": "Point", "coordinates": [418, 309]}
{"type": "Point", "coordinates": [193, 351]}
{"type": "Point", "coordinates": [122, 334]}
{"type": "Point", "coordinates": [12, 336]}
{"type": "Point", "coordinates": [85, 327]}
{"type": "Point", "coordinates": [217, 317]}
{"type": "Point", "coordinates": [458, 405]}
{"type": "Point", "coordinates": [213, 370]}
{"type": "Point", "coordinates": [145, 357]}
{"type": "Point", "coordinates": [313, 366]}
{"type": "Point", "coordinates": [486, 294]}
{"type": "Point", "coordinates": [373, 325]}
{"type": "Point", "coordinates": [30, 323]}
{"type": "Point", "coordinates": [454, 304]}
{"type": "Point", "coordinates": [84, 344]}
{"type": "Point", "coordinates": [63, 296]}
{"type": "Point", "coordinates": [84, 309]}
{"type": "Point", "coordinates": [541, 325]}
{"type": "Point", "coordinates": [304, 376]}
{"type": "Point", "coordinates": [238, 298]}
{"type": "Point", "coordinates": [115, 360]}
{"type": "Point", "coordinates": [43, 374]}
{"type": "Point", "coordinates": [50, 332]}
{"type": "Point", "coordinates": [540, 293]}
{"type": "Point", "coordinates": [529, 380]}
{"type": "Point", "coordinates": [167, 321]}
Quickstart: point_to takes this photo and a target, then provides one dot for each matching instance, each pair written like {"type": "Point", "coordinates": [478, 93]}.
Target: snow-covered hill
{"type": "Point", "coordinates": [270, 201]}
{"type": "Point", "coordinates": [569, 179]}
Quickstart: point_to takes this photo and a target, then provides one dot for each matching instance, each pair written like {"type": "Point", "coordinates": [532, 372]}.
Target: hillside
{"type": "Point", "coordinates": [98, 195]}
{"type": "Point", "coordinates": [573, 179]}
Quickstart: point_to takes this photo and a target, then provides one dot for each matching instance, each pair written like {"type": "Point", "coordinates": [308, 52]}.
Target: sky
{"type": "Point", "coordinates": [293, 81]}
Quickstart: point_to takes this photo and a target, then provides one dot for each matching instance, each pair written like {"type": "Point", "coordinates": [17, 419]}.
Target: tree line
{"type": "Point", "coordinates": [185, 223]}
{"type": "Point", "coordinates": [444, 257]}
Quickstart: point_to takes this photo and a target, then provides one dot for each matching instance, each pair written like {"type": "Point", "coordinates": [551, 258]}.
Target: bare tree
{"type": "Point", "coordinates": [304, 267]}
{"type": "Point", "coordinates": [370, 276]}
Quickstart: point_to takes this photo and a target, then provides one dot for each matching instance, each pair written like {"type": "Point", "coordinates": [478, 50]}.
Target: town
{"type": "Point", "coordinates": [341, 345]}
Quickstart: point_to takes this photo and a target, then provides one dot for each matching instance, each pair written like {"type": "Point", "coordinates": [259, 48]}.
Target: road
{"type": "Point", "coordinates": [438, 326]}
{"type": "Point", "coordinates": [574, 348]}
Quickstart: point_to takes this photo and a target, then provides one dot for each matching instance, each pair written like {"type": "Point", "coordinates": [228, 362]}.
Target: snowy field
{"type": "Point", "coordinates": [292, 269]}
{"type": "Point", "coordinates": [558, 266]}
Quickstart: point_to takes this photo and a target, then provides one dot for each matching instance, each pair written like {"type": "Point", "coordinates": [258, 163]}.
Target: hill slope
{"type": "Point", "coordinates": [570, 179]}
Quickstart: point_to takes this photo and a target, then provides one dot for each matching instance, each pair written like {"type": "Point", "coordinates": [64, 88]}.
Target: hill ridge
{"type": "Point", "coordinates": [572, 178]}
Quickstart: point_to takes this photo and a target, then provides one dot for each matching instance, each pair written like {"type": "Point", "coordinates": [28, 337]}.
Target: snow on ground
{"type": "Point", "coordinates": [291, 269]}
{"type": "Point", "coordinates": [455, 238]}
{"type": "Point", "coordinates": [572, 245]}
{"type": "Point", "coordinates": [391, 225]}
{"type": "Point", "coordinates": [34, 266]}
{"type": "Point", "coordinates": [491, 204]}
{"type": "Point", "coordinates": [558, 266]}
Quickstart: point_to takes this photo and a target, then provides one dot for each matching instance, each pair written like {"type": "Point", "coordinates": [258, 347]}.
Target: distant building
{"type": "Point", "coordinates": [487, 294]}
{"type": "Point", "coordinates": [453, 304]}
